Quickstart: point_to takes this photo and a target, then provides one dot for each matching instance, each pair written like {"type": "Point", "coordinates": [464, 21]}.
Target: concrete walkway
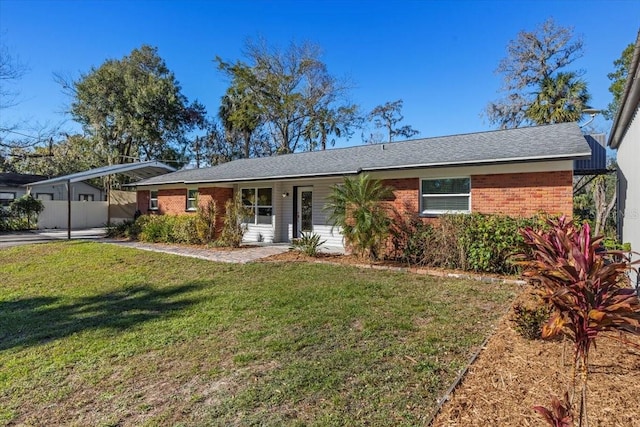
{"type": "Point", "coordinates": [241, 255]}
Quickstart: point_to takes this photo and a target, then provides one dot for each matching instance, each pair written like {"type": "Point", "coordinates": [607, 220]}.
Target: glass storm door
{"type": "Point", "coordinates": [305, 209]}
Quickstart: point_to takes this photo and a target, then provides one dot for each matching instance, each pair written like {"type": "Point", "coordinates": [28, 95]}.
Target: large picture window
{"type": "Point", "coordinates": [259, 201]}
{"type": "Point", "coordinates": [192, 200]}
{"type": "Point", "coordinates": [446, 195]}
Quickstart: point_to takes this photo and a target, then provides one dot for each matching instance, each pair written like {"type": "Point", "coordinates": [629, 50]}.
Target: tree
{"type": "Point", "coordinates": [133, 108]}
{"type": "Point", "coordinates": [325, 121]}
{"type": "Point", "coordinates": [290, 89]}
{"type": "Point", "coordinates": [11, 71]}
{"type": "Point", "coordinates": [387, 116]}
{"type": "Point", "coordinates": [240, 114]}
{"type": "Point", "coordinates": [532, 58]}
{"type": "Point", "coordinates": [355, 207]}
{"type": "Point", "coordinates": [618, 80]}
{"type": "Point", "coordinates": [76, 153]}
{"type": "Point", "coordinates": [560, 99]}
{"type": "Point", "coordinates": [26, 207]}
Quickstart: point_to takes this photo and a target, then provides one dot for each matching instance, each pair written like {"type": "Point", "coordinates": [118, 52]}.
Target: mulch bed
{"type": "Point", "coordinates": [512, 374]}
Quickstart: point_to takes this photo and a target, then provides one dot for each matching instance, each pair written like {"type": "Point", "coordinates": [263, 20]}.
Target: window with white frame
{"type": "Point", "coordinates": [85, 197]}
{"type": "Point", "coordinates": [445, 195]}
{"type": "Point", "coordinates": [153, 200]}
{"type": "Point", "coordinates": [259, 201]}
{"type": "Point", "coordinates": [44, 196]}
{"type": "Point", "coordinates": [192, 200]}
{"type": "Point", "coordinates": [6, 198]}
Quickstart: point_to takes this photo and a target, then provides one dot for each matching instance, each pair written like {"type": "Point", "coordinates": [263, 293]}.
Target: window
{"type": "Point", "coordinates": [153, 200]}
{"type": "Point", "coordinates": [85, 197]}
{"type": "Point", "coordinates": [446, 195]}
{"type": "Point", "coordinates": [192, 200]}
{"type": "Point", "coordinates": [259, 201]}
{"type": "Point", "coordinates": [6, 198]}
{"type": "Point", "coordinates": [44, 196]}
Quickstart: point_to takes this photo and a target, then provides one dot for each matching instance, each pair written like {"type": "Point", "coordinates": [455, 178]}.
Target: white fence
{"type": "Point", "coordinates": [83, 214]}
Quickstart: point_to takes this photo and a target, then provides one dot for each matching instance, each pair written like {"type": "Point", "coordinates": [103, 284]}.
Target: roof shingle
{"type": "Point", "coordinates": [559, 141]}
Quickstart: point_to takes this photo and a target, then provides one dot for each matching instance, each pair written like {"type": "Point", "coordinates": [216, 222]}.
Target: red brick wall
{"type": "Point", "coordinates": [523, 194]}
{"type": "Point", "coordinates": [406, 194]}
{"type": "Point", "coordinates": [173, 201]}
{"type": "Point", "coordinates": [514, 194]}
{"type": "Point", "coordinates": [220, 195]}
{"type": "Point", "coordinates": [142, 200]}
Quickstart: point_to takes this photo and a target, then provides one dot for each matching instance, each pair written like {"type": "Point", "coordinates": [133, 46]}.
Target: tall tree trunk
{"type": "Point", "coordinates": [247, 143]}
{"type": "Point", "coordinates": [603, 209]}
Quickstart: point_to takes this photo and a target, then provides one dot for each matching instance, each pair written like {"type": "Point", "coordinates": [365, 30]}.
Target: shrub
{"type": "Point", "coordinates": [206, 223]}
{"type": "Point", "coordinates": [476, 242]}
{"type": "Point", "coordinates": [185, 230]}
{"type": "Point", "coordinates": [234, 228]}
{"type": "Point", "coordinates": [356, 207]}
{"type": "Point", "coordinates": [156, 228]}
{"type": "Point", "coordinates": [528, 320]}
{"type": "Point", "coordinates": [127, 229]}
{"type": "Point", "coordinates": [560, 414]}
{"type": "Point", "coordinates": [587, 288]}
{"type": "Point", "coordinates": [27, 209]}
{"type": "Point", "coordinates": [308, 243]}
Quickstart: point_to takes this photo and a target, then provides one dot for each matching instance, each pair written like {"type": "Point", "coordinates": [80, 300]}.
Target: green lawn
{"type": "Point", "coordinates": [96, 334]}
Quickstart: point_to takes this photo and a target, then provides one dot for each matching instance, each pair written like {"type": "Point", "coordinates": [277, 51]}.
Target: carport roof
{"type": "Point", "coordinates": [139, 170]}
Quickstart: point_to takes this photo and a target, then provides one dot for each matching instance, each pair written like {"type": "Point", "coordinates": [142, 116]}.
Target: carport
{"type": "Point", "coordinates": [136, 171]}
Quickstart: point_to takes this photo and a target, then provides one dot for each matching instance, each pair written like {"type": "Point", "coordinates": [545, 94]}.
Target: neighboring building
{"type": "Point", "coordinates": [517, 172]}
{"type": "Point", "coordinates": [14, 185]}
{"type": "Point", "coordinates": [625, 138]}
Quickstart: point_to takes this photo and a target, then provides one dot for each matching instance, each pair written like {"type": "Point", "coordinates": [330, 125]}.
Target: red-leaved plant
{"type": "Point", "coordinates": [560, 414]}
{"type": "Point", "coordinates": [587, 288]}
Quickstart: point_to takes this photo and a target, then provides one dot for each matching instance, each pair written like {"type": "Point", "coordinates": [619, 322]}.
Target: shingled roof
{"type": "Point", "coordinates": [551, 142]}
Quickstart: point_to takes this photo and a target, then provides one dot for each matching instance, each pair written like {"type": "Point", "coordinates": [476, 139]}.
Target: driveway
{"type": "Point", "coordinates": [238, 256]}
{"type": "Point", "coordinates": [17, 238]}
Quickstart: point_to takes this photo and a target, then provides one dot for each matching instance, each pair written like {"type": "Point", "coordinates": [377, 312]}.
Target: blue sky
{"type": "Point", "coordinates": [438, 56]}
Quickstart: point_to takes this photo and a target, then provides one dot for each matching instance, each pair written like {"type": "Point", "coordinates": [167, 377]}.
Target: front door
{"type": "Point", "coordinates": [305, 210]}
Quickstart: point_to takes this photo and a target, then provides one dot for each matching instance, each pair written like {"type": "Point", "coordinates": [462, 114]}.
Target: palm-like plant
{"type": "Point", "coordinates": [356, 207]}
{"type": "Point", "coordinates": [560, 99]}
{"type": "Point", "coordinates": [588, 289]}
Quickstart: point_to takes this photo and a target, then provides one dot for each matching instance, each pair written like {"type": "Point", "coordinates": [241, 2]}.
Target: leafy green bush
{"type": "Point", "coordinates": [169, 229]}
{"type": "Point", "coordinates": [356, 207]}
{"type": "Point", "coordinates": [528, 321]}
{"type": "Point", "coordinates": [26, 210]}
{"type": "Point", "coordinates": [128, 229]}
{"type": "Point", "coordinates": [185, 230]}
{"type": "Point", "coordinates": [308, 244]}
{"type": "Point", "coordinates": [475, 242]}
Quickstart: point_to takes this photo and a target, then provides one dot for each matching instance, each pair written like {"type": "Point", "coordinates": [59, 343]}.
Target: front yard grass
{"type": "Point", "coordinates": [96, 334]}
